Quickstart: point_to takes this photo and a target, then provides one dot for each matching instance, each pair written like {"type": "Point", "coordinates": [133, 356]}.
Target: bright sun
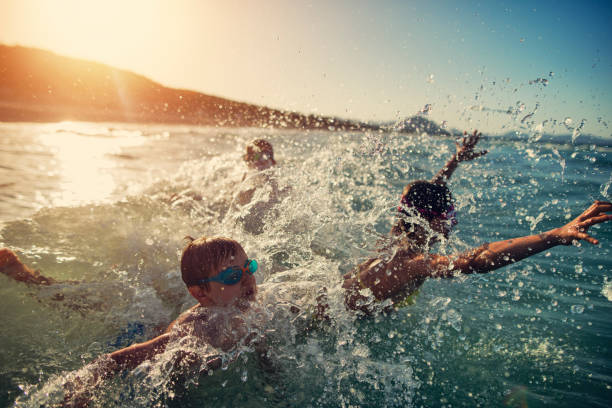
{"type": "Point", "coordinates": [107, 30]}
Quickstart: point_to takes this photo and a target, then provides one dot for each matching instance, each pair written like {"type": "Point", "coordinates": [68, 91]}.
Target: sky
{"type": "Point", "coordinates": [532, 66]}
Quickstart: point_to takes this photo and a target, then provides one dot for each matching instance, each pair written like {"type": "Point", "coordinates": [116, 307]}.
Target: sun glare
{"type": "Point", "coordinates": [98, 30]}
{"type": "Point", "coordinates": [83, 154]}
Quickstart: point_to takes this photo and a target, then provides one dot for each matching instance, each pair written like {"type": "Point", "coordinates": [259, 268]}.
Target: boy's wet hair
{"type": "Point", "coordinates": [259, 147]}
{"type": "Point", "coordinates": [424, 195]}
{"type": "Point", "coordinates": [202, 257]}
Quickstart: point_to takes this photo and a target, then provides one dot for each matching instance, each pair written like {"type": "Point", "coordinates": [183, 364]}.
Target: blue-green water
{"type": "Point", "coordinates": [112, 215]}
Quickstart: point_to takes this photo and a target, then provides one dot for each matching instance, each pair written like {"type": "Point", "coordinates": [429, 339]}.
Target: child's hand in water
{"type": "Point", "coordinates": [465, 150]}
{"type": "Point", "coordinates": [577, 229]}
{"type": "Point", "coordinates": [80, 386]}
{"type": "Point", "coordinates": [10, 265]}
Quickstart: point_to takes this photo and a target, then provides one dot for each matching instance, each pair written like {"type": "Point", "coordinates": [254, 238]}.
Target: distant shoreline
{"type": "Point", "coordinates": [40, 86]}
{"type": "Point", "coordinates": [33, 113]}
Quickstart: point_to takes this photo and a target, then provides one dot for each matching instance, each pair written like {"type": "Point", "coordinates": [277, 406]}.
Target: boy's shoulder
{"type": "Point", "coordinates": [186, 318]}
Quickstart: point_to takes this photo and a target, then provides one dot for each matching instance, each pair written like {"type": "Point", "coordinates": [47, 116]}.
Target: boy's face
{"type": "Point", "coordinates": [220, 294]}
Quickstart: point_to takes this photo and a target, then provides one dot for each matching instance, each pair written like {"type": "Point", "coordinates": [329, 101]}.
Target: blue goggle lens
{"type": "Point", "coordinates": [251, 266]}
{"type": "Point", "coordinates": [233, 275]}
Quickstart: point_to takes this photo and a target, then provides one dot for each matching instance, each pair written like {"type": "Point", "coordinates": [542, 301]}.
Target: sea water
{"type": "Point", "coordinates": [107, 207]}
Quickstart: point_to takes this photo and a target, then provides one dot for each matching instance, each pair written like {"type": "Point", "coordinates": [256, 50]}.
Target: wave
{"type": "Point", "coordinates": [560, 139]}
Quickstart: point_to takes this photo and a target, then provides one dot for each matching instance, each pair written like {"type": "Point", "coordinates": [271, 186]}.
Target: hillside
{"type": "Point", "coordinates": [419, 124]}
{"type": "Point", "coordinates": [40, 86]}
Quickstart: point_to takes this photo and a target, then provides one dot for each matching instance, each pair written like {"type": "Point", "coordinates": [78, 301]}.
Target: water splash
{"type": "Point", "coordinates": [561, 163]}
{"type": "Point", "coordinates": [606, 289]}
{"type": "Point", "coordinates": [426, 110]}
{"type": "Point", "coordinates": [604, 188]}
{"type": "Point", "coordinates": [577, 309]}
{"type": "Point", "coordinates": [534, 221]}
{"type": "Point", "coordinates": [539, 81]}
{"type": "Point", "coordinates": [341, 196]}
{"type": "Point", "coordinates": [578, 130]}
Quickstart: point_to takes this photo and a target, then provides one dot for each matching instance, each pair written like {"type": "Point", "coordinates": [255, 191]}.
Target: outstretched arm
{"type": "Point", "coordinates": [11, 266]}
{"type": "Point", "coordinates": [80, 389]}
{"type": "Point", "coordinates": [407, 272]}
{"type": "Point", "coordinates": [465, 152]}
{"type": "Point", "coordinates": [495, 255]}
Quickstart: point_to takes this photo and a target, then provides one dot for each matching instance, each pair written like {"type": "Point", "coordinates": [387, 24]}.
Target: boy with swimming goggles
{"type": "Point", "coordinates": [220, 276]}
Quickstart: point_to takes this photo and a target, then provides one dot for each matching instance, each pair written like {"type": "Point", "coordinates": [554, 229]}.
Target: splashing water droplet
{"type": "Point", "coordinates": [454, 318]}
{"type": "Point", "coordinates": [577, 309]}
{"type": "Point", "coordinates": [605, 188]}
{"type": "Point", "coordinates": [578, 130]}
{"type": "Point", "coordinates": [426, 109]}
{"type": "Point", "coordinates": [561, 162]}
{"type": "Point", "coordinates": [568, 122]}
{"type": "Point", "coordinates": [606, 290]}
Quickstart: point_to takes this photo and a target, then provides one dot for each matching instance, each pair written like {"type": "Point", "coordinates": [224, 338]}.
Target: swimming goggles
{"type": "Point", "coordinates": [232, 275]}
{"type": "Point", "coordinates": [449, 214]}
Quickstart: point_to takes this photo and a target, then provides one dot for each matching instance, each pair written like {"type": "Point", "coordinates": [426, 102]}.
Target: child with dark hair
{"type": "Point", "coordinates": [426, 213]}
{"type": "Point", "coordinates": [426, 209]}
{"type": "Point", "coordinates": [399, 275]}
{"type": "Point", "coordinates": [426, 200]}
{"type": "Point", "coordinates": [432, 199]}
{"type": "Point", "coordinates": [254, 210]}
{"type": "Point", "coordinates": [259, 154]}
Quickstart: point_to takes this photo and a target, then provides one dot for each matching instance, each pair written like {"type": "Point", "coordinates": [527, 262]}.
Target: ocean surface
{"type": "Point", "coordinates": [107, 207]}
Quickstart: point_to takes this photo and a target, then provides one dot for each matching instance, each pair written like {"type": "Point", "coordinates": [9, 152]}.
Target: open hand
{"type": "Point", "coordinates": [577, 229]}
{"type": "Point", "coordinates": [465, 149]}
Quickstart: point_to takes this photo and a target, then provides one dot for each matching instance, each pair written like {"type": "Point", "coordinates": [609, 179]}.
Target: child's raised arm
{"type": "Point", "coordinates": [465, 152]}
